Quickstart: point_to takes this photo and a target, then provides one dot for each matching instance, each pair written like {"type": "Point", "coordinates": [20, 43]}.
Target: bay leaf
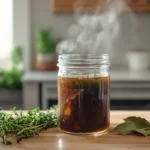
{"type": "Point", "coordinates": [138, 122]}
{"type": "Point", "coordinates": [142, 131]}
{"type": "Point", "coordinates": [124, 128]}
{"type": "Point", "coordinates": [134, 125]}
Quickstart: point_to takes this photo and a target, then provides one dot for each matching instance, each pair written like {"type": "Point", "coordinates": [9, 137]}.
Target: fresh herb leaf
{"type": "Point", "coordinates": [20, 126]}
{"type": "Point", "coordinates": [138, 122]}
{"type": "Point", "coordinates": [133, 125]}
{"type": "Point", "coordinates": [142, 131]}
{"type": "Point", "coordinates": [124, 128]}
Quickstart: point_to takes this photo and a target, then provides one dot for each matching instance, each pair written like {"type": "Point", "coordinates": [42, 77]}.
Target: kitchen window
{"type": "Point", "coordinates": [6, 31]}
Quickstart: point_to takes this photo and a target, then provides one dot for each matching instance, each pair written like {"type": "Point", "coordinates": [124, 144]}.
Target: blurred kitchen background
{"type": "Point", "coordinates": [34, 32]}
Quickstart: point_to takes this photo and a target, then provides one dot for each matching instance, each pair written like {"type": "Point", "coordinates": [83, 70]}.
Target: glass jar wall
{"type": "Point", "coordinates": [83, 93]}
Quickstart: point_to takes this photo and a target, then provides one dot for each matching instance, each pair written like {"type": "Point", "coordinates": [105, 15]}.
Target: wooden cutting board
{"type": "Point", "coordinates": [54, 139]}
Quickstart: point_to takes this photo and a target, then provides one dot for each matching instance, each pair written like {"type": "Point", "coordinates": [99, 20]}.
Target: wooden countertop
{"type": "Point", "coordinates": [54, 139]}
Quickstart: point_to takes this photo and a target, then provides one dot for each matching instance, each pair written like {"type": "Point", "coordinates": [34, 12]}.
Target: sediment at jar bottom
{"type": "Point", "coordinates": [83, 104]}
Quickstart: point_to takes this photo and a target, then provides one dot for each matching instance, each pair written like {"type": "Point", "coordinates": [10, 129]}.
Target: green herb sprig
{"type": "Point", "coordinates": [18, 126]}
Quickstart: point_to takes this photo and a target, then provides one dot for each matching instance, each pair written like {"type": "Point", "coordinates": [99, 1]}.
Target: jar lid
{"type": "Point", "coordinates": [83, 61]}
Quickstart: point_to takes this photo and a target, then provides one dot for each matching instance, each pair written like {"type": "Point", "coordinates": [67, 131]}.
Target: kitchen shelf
{"type": "Point", "coordinates": [66, 6]}
{"type": "Point", "coordinates": [40, 87]}
{"type": "Point", "coordinates": [117, 76]}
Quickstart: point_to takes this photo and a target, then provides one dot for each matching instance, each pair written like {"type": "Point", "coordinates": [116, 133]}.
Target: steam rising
{"type": "Point", "coordinates": [101, 32]}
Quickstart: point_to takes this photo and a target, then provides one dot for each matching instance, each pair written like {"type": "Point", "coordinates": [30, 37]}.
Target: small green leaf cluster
{"type": "Point", "coordinates": [45, 42]}
{"type": "Point", "coordinates": [17, 125]}
{"type": "Point", "coordinates": [134, 125]}
{"type": "Point", "coordinates": [11, 79]}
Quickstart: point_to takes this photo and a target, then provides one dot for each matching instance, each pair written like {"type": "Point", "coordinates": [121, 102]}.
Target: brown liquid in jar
{"type": "Point", "coordinates": [84, 104]}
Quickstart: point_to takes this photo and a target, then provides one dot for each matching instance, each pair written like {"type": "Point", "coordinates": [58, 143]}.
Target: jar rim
{"type": "Point", "coordinates": [83, 61]}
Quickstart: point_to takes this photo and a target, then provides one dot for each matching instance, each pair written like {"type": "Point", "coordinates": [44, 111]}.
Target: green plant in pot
{"type": "Point", "coordinates": [10, 79]}
{"type": "Point", "coordinates": [17, 57]}
{"type": "Point", "coordinates": [46, 50]}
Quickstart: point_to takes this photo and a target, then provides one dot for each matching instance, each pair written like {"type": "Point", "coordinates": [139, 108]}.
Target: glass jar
{"type": "Point", "coordinates": [83, 93]}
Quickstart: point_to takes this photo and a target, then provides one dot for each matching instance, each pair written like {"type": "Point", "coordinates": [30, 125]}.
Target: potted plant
{"type": "Point", "coordinates": [46, 50]}
{"type": "Point", "coordinates": [10, 81]}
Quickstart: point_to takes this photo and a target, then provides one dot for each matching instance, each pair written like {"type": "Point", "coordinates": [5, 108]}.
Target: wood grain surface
{"type": "Point", "coordinates": [54, 139]}
{"type": "Point", "coordinates": [65, 6]}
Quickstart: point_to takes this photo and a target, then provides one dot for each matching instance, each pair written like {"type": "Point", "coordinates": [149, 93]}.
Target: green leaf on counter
{"type": "Point", "coordinates": [124, 128]}
{"type": "Point", "coordinates": [133, 125]}
{"type": "Point", "coordinates": [138, 122]}
{"type": "Point", "coordinates": [142, 131]}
